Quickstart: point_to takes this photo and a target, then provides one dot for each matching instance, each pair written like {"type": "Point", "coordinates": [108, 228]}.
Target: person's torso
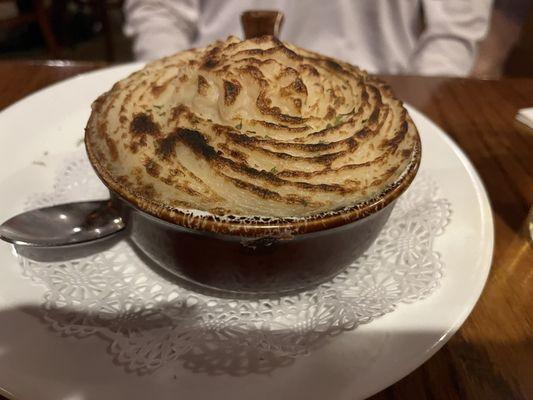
{"type": "Point", "coordinates": [378, 35]}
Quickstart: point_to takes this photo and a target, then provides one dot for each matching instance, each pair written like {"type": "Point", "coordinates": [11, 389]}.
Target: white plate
{"type": "Point", "coordinates": [37, 363]}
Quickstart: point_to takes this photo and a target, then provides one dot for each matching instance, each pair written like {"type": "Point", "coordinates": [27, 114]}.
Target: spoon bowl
{"type": "Point", "coordinates": [63, 225]}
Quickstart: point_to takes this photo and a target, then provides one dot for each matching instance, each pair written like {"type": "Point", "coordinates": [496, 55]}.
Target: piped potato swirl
{"type": "Point", "coordinates": [251, 128]}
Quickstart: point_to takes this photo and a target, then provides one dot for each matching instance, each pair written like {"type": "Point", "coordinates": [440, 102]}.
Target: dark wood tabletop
{"type": "Point", "coordinates": [491, 356]}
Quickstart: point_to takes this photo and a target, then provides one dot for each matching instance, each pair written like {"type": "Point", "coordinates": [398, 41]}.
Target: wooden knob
{"type": "Point", "coordinates": [259, 23]}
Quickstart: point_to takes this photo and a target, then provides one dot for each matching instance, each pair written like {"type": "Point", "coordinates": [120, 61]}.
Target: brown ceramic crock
{"type": "Point", "coordinates": [260, 257]}
{"type": "Point", "coordinates": [257, 257]}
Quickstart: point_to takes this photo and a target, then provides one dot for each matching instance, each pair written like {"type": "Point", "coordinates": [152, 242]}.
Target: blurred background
{"type": "Point", "coordinates": [92, 30]}
{"type": "Point", "coordinates": [81, 30]}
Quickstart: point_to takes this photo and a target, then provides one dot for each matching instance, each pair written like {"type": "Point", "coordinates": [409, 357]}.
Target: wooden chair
{"type": "Point", "coordinates": [100, 9]}
{"type": "Point", "coordinates": [37, 14]}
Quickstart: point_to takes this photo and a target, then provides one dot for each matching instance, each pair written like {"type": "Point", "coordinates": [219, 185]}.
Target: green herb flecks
{"type": "Point", "coordinates": [339, 117]}
{"type": "Point", "coordinates": [349, 113]}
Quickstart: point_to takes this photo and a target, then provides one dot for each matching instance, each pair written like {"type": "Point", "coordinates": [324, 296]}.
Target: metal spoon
{"type": "Point", "coordinates": [63, 225]}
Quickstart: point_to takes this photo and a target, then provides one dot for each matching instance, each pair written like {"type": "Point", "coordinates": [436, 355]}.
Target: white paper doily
{"type": "Point", "coordinates": [150, 322]}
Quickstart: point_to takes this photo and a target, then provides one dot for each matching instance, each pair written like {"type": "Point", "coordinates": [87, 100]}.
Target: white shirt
{"type": "Point", "coordinates": [427, 37]}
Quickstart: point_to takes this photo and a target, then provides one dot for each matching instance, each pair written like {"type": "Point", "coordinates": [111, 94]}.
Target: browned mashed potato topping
{"type": "Point", "coordinates": [254, 128]}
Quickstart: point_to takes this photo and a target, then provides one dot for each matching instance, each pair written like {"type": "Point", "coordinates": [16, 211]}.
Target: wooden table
{"type": "Point", "coordinates": [491, 356]}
